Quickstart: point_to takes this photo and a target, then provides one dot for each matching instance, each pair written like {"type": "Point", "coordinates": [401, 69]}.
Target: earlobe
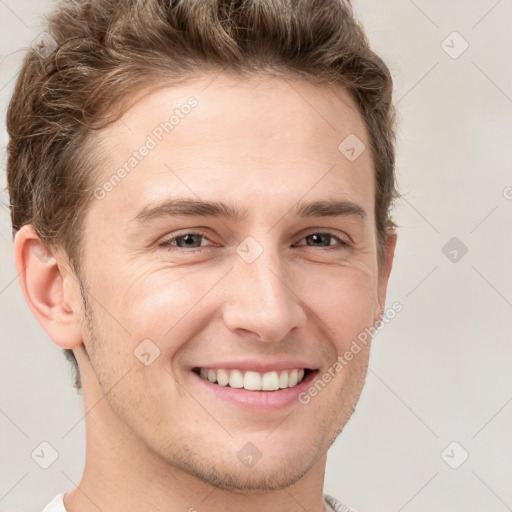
{"type": "Point", "coordinates": [41, 277]}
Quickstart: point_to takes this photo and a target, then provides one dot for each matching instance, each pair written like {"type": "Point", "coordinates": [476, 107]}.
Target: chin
{"type": "Point", "coordinates": [268, 474]}
{"type": "Point", "coordinates": [255, 480]}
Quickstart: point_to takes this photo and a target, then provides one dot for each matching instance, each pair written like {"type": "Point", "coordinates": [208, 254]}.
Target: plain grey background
{"type": "Point", "coordinates": [439, 387]}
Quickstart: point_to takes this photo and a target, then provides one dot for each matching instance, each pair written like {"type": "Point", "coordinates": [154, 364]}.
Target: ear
{"type": "Point", "coordinates": [50, 288]}
{"type": "Point", "coordinates": [385, 270]}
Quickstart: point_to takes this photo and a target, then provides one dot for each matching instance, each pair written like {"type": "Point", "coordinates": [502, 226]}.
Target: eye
{"type": "Point", "coordinates": [185, 241]}
{"type": "Point", "coordinates": [191, 241]}
{"type": "Point", "coordinates": [323, 239]}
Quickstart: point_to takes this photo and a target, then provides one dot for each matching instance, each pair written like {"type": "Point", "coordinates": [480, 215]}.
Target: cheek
{"type": "Point", "coordinates": [161, 302]}
{"type": "Point", "coordinates": [344, 299]}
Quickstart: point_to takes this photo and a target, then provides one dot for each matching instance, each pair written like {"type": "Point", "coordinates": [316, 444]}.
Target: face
{"type": "Point", "coordinates": [279, 280]}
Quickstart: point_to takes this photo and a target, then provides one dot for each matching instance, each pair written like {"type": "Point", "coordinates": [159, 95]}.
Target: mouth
{"type": "Point", "coordinates": [252, 380]}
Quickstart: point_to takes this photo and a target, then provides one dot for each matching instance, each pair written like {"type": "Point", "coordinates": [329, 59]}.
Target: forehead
{"type": "Point", "coordinates": [260, 137]}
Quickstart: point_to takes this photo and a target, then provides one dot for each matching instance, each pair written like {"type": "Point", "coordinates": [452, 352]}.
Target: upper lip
{"type": "Point", "coordinates": [257, 366]}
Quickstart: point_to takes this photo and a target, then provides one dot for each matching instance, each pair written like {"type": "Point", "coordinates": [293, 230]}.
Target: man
{"type": "Point", "coordinates": [200, 197]}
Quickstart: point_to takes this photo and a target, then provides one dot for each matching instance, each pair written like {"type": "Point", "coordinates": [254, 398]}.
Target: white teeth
{"type": "Point", "coordinates": [236, 379]}
{"type": "Point", "coordinates": [254, 381]}
{"type": "Point", "coordinates": [270, 381]}
{"type": "Point", "coordinates": [292, 378]}
{"type": "Point", "coordinates": [222, 377]}
{"type": "Point", "coordinates": [283, 379]}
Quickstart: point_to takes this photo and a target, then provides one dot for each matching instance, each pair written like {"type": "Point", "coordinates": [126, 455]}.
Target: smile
{"type": "Point", "coordinates": [253, 381]}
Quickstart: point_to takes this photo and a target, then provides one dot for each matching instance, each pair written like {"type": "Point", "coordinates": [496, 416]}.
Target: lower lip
{"type": "Point", "coordinates": [258, 400]}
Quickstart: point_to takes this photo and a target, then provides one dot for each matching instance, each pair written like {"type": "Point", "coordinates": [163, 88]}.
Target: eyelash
{"type": "Point", "coordinates": [168, 242]}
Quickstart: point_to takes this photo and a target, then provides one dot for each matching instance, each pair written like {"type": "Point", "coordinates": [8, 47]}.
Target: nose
{"type": "Point", "coordinates": [260, 298]}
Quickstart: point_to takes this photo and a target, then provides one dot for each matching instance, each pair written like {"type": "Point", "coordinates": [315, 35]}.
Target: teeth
{"type": "Point", "coordinates": [222, 377]}
{"type": "Point", "coordinates": [236, 379]}
{"type": "Point", "coordinates": [254, 381]}
{"type": "Point", "coordinates": [270, 381]}
{"type": "Point", "coordinates": [293, 378]}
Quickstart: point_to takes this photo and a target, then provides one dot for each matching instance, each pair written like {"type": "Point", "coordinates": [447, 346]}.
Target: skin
{"type": "Point", "coordinates": [155, 439]}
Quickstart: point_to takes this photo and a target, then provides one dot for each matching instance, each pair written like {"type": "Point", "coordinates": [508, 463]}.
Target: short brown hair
{"type": "Point", "coordinates": [107, 49]}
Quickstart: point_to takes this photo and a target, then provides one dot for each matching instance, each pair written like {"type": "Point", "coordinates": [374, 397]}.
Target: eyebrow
{"type": "Point", "coordinates": [199, 208]}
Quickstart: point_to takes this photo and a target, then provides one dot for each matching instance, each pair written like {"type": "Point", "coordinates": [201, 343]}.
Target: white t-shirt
{"type": "Point", "coordinates": [331, 504]}
{"type": "Point", "coordinates": [56, 505]}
